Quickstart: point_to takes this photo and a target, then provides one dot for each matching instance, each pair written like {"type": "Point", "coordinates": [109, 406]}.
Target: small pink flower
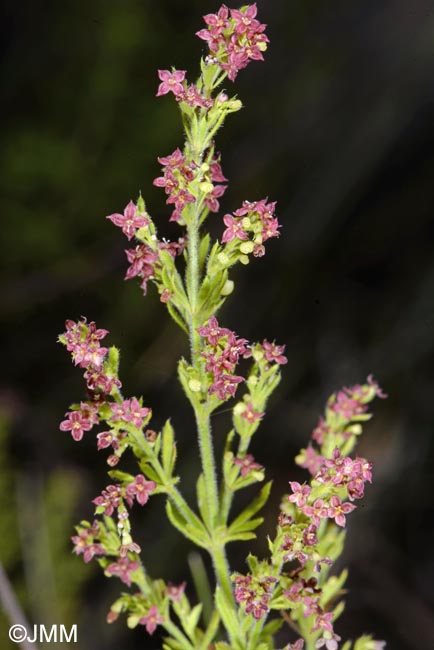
{"type": "Point", "coordinates": [226, 386]}
{"type": "Point", "coordinates": [141, 489]}
{"type": "Point", "coordinates": [337, 510]}
{"type": "Point", "coordinates": [123, 568]}
{"type": "Point", "coordinates": [129, 221]}
{"type": "Point", "coordinates": [171, 82]}
{"type": "Point", "coordinates": [234, 229]}
{"type": "Point", "coordinates": [175, 591]}
{"type": "Point", "coordinates": [250, 414]}
{"type": "Point", "coordinates": [107, 438]}
{"type": "Point", "coordinates": [300, 494]}
{"type": "Point", "coordinates": [84, 544]}
{"type": "Point", "coordinates": [323, 621]}
{"type": "Point", "coordinates": [317, 511]}
{"type": "Point", "coordinates": [76, 423]}
{"type": "Point", "coordinates": [247, 464]}
{"type": "Point", "coordinates": [152, 619]}
{"type": "Point", "coordinates": [213, 332]}
{"type": "Point", "coordinates": [274, 353]}
{"type": "Point", "coordinates": [109, 499]}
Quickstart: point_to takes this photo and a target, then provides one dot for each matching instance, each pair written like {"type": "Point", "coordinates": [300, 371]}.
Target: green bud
{"type": "Point", "coordinates": [194, 385]}
{"type": "Point", "coordinates": [223, 259]}
{"type": "Point", "coordinates": [246, 223]}
{"type": "Point", "coordinates": [239, 408]}
{"type": "Point", "coordinates": [247, 247]}
{"type": "Point", "coordinates": [235, 104]}
{"type": "Point", "coordinates": [227, 288]}
{"type": "Point", "coordinates": [206, 187]}
{"type": "Point", "coordinates": [244, 259]}
{"type": "Point", "coordinates": [141, 207]}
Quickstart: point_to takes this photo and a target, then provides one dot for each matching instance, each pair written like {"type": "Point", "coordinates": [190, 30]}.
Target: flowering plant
{"type": "Point", "coordinates": [295, 581]}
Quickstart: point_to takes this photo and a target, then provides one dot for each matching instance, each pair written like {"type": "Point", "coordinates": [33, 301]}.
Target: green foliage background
{"type": "Point", "coordinates": [338, 127]}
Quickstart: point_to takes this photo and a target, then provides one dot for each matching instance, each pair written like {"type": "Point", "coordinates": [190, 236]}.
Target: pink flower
{"type": "Point", "coordinates": [171, 82]}
{"type": "Point", "coordinates": [129, 221]}
{"type": "Point", "coordinates": [310, 460]}
{"type": "Point", "coordinates": [245, 20]}
{"type": "Point", "coordinates": [323, 621]}
{"type": "Point", "coordinates": [152, 619]}
{"type": "Point", "coordinates": [226, 386]}
{"type": "Point", "coordinates": [337, 510]}
{"type": "Point", "coordinates": [130, 410]}
{"type": "Point", "coordinates": [123, 568]}
{"type": "Point", "coordinates": [76, 423]}
{"type": "Point", "coordinates": [213, 332]}
{"type": "Point", "coordinates": [141, 489]}
{"type": "Point", "coordinates": [247, 464]}
{"type": "Point", "coordinates": [298, 645]}
{"type": "Point", "coordinates": [250, 414]}
{"type": "Point", "coordinates": [317, 511]}
{"type": "Point", "coordinates": [346, 406]}
{"type": "Point", "coordinates": [211, 200]}
{"type": "Point", "coordinates": [175, 591]}
{"type": "Point", "coordinates": [84, 544]}
{"type": "Point", "coordinates": [274, 353]}
{"type": "Point", "coordinates": [109, 499]}
{"type": "Point", "coordinates": [234, 229]}
{"type": "Point", "coordinates": [107, 438]}
{"type": "Point", "coordinates": [300, 494]}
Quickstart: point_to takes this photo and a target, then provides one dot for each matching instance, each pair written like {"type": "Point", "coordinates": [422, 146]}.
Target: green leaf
{"type": "Point", "coordinates": [247, 526]}
{"type": "Point", "coordinates": [203, 250]}
{"type": "Point", "coordinates": [168, 449]}
{"type": "Point", "coordinates": [210, 631]}
{"type": "Point", "coordinates": [228, 615]}
{"type": "Point", "coordinates": [190, 622]}
{"type": "Point", "coordinates": [173, 311]}
{"type": "Point", "coordinates": [202, 501]}
{"type": "Point", "coordinates": [196, 534]}
{"type": "Point", "coordinates": [251, 509]}
{"type": "Point", "coordinates": [239, 537]}
{"type": "Point", "coordinates": [171, 644]}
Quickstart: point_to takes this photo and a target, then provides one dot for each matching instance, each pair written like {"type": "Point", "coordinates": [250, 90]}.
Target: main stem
{"type": "Point", "coordinates": [202, 411]}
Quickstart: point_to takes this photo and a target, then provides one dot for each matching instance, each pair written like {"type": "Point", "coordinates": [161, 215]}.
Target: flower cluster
{"type": "Point", "coordinates": [84, 542]}
{"type": "Point", "coordinates": [178, 176]}
{"type": "Point", "coordinates": [222, 354]}
{"type": "Point", "coordinates": [248, 228]}
{"type": "Point", "coordinates": [234, 38]}
{"type": "Point", "coordinates": [255, 592]}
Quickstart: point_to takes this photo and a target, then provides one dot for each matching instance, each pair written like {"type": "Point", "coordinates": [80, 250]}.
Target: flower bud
{"type": "Point", "coordinates": [244, 259]}
{"type": "Point", "coordinates": [227, 288]}
{"type": "Point", "coordinates": [206, 187]}
{"type": "Point", "coordinates": [194, 385]}
{"type": "Point", "coordinates": [247, 247]}
{"type": "Point", "coordinates": [239, 408]}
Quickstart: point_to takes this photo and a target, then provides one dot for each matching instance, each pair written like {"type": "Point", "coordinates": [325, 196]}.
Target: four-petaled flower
{"type": "Point", "coordinates": [140, 488]}
{"type": "Point", "coordinates": [171, 82]}
{"type": "Point", "coordinates": [76, 423]}
{"type": "Point", "coordinates": [123, 569]}
{"type": "Point", "coordinates": [129, 221]}
{"type": "Point", "coordinates": [152, 619]}
{"type": "Point", "coordinates": [300, 493]}
{"type": "Point", "coordinates": [337, 510]}
{"type": "Point", "coordinates": [247, 464]}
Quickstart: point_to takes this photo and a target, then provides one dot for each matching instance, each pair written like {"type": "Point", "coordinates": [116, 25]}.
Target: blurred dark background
{"type": "Point", "coordinates": [338, 127]}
